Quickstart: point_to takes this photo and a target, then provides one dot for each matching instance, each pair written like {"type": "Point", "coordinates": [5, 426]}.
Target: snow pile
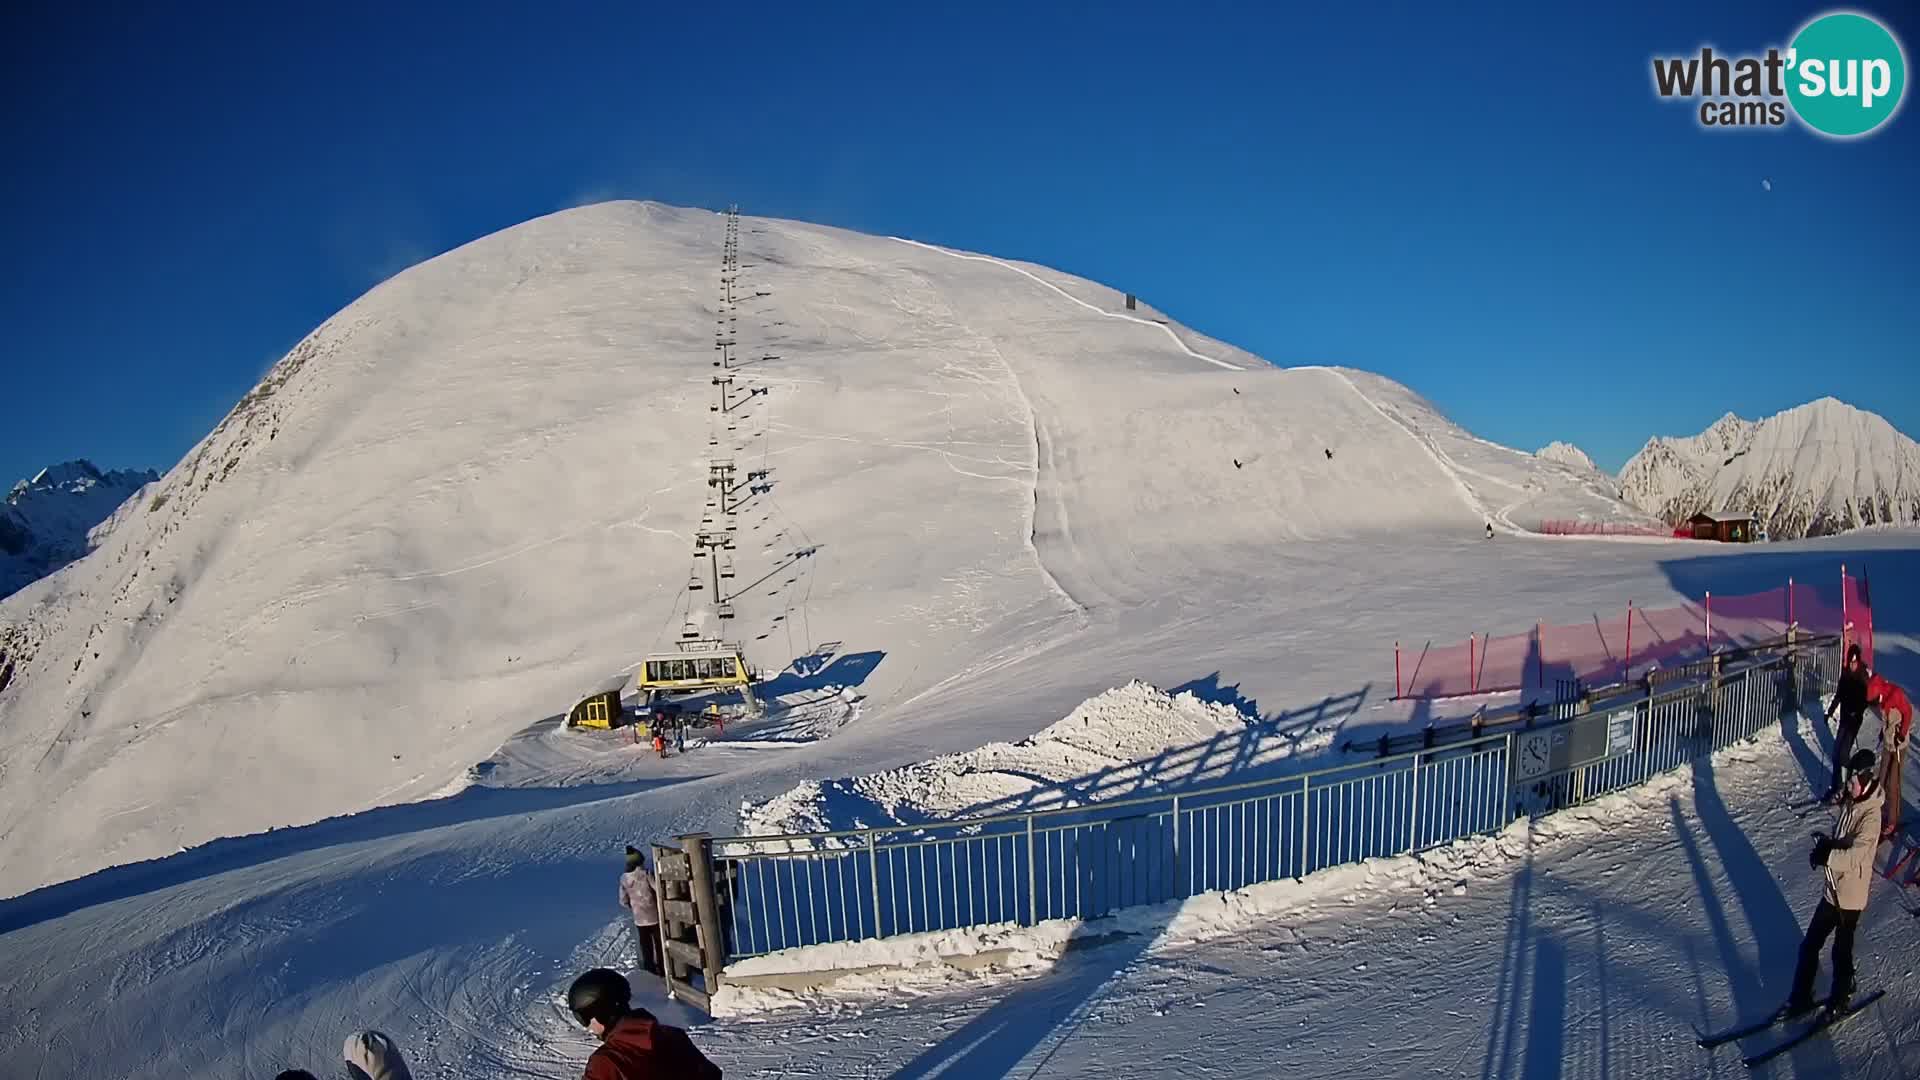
{"type": "Point", "coordinates": [1813, 470]}
{"type": "Point", "coordinates": [1123, 742]}
{"type": "Point", "coordinates": [1566, 454]}
{"type": "Point", "coordinates": [46, 522]}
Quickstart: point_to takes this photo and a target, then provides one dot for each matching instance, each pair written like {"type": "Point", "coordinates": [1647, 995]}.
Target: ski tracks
{"type": "Point", "coordinates": [1455, 471]}
{"type": "Point", "coordinates": [1102, 312]}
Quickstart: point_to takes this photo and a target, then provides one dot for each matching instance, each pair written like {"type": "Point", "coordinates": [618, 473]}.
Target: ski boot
{"type": "Point", "coordinates": [1842, 998]}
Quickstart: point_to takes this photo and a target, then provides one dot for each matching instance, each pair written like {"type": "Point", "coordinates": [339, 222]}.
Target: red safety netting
{"type": "Point", "coordinates": [1625, 646]}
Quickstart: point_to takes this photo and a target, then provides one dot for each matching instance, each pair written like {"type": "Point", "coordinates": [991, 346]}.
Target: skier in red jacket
{"type": "Point", "coordinates": [634, 1045]}
{"type": "Point", "coordinates": [1896, 726]}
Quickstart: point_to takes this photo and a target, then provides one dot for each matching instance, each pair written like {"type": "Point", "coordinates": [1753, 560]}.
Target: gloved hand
{"type": "Point", "coordinates": [1822, 847]}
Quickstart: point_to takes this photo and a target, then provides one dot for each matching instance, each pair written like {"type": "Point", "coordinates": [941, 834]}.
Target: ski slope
{"type": "Point", "coordinates": [469, 498]}
{"type": "Point", "coordinates": [329, 664]}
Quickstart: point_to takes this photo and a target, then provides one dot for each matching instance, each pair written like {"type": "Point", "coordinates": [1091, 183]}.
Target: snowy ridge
{"type": "Point", "coordinates": [1566, 454]}
{"type": "Point", "coordinates": [1045, 284]}
{"type": "Point", "coordinates": [1820, 468]}
{"type": "Point", "coordinates": [55, 517]}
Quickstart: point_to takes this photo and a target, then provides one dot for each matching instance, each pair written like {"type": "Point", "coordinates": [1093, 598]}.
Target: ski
{"type": "Point", "coordinates": [1827, 1020]}
{"type": "Point", "coordinates": [1720, 1038]}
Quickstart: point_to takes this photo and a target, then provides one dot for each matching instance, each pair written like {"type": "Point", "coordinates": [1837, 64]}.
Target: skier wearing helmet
{"type": "Point", "coordinates": [1896, 725]}
{"type": "Point", "coordinates": [1847, 856]}
{"type": "Point", "coordinates": [633, 1045]}
{"type": "Point", "coordinates": [1850, 700]}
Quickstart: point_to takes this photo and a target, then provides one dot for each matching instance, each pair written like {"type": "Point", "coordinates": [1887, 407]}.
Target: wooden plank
{"type": "Point", "coordinates": [673, 866]}
{"type": "Point", "coordinates": [685, 953]}
{"type": "Point", "coordinates": [680, 912]}
{"type": "Point", "coordinates": [694, 996]}
{"type": "Point", "coordinates": [706, 902]}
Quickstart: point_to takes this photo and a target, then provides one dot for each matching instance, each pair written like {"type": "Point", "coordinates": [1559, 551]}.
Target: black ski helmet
{"type": "Point", "coordinates": [1860, 763]}
{"type": "Point", "coordinates": [601, 994]}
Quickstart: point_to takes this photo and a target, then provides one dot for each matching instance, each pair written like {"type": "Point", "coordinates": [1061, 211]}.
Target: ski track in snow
{"type": "Point", "coordinates": [1102, 312]}
{"type": "Point", "coordinates": [1439, 458]}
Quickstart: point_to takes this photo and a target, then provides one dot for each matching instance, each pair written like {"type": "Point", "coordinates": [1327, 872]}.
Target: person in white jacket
{"type": "Point", "coordinates": [1847, 856]}
{"type": "Point", "coordinates": [371, 1055]}
{"type": "Point", "coordinates": [638, 895]}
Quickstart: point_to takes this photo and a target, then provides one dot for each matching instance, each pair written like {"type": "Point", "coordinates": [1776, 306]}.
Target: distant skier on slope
{"type": "Point", "coordinates": [1847, 856]}
{"type": "Point", "coordinates": [1850, 698]}
{"type": "Point", "coordinates": [1896, 726]}
{"type": "Point", "coordinates": [1489, 530]}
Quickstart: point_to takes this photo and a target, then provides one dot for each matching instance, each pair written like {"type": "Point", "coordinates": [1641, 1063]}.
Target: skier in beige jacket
{"type": "Point", "coordinates": [1847, 856]}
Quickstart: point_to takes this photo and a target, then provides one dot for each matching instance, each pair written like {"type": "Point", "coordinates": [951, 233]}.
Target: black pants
{"type": "Point", "coordinates": [646, 942]}
{"type": "Point", "coordinates": [1843, 739]}
{"type": "Point", "coordinates": [1826, 919]}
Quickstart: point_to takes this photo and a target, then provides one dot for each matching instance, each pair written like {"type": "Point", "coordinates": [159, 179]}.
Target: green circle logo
{"type": "Point", "coordinates": [1846, 74]}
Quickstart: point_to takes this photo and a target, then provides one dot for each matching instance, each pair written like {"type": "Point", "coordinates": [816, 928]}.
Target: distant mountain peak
{"type": "Point", "coordinates": [45, 520]}
{"type": "Point", "coordinates": [1566, 454]}
{"type": "Point", "coordinates": [1822, 467]}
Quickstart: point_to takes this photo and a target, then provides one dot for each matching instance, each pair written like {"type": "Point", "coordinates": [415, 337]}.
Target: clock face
{"type": "Point", "coordinates": [1534, 753]}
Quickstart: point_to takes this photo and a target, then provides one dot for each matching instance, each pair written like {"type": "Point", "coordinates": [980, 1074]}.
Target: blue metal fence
{"type": "Point", "coordinates": [1084, 862]}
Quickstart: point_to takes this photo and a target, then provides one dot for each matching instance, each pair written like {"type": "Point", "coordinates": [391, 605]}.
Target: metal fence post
{"type": "Point", "coordinates": [873, 865]}
{"type": "Point", "coordinates": [1180, 890]}
{"type": "Point", "coordinates": [1504, 785]}
{"type": "Point", "coordinates": [1413, 836]}
{"type": "Point", "coordinates": [1033, 888]}
{"type": "Point", "coordinates": [1306, 815]}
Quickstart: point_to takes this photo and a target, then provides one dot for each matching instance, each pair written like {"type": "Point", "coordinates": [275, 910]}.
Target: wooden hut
{"type": "Point", "coordinates": [1728, 528]}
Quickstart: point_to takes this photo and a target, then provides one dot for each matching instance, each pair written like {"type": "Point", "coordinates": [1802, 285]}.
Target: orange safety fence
{"type": "Point", "coordinates": [1626, 646]}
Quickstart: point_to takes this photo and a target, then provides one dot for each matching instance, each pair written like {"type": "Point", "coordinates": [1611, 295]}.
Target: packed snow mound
{"type": "Point", "coordinates": [469, 498]}
{"type": "Point", "coordinates": [1817, 469]}
{"type": "Point", "coordinates": [47, 522]}
{"type": "Point", "coordinates": [1131, 740]}
{"type": "Point", "coordinates": [1566, 454]}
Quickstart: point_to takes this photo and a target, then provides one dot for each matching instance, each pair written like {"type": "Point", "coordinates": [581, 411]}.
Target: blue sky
{"type": "Point", "coordinates": [1493, 209]}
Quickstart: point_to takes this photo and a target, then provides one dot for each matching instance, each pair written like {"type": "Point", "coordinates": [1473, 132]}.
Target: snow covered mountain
{"type": "Point", "coordinates": [469, 498]}
{"type": "Point", "coordinates": [1817, 469]}
{"type": "Point", "coordinates": [45, 522]}
{"type": "Point", "coordinates": [1566, 454]}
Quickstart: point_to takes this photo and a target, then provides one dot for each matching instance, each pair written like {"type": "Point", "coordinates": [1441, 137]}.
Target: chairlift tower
{"type": "Point", "coordinates": [716, 547]}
